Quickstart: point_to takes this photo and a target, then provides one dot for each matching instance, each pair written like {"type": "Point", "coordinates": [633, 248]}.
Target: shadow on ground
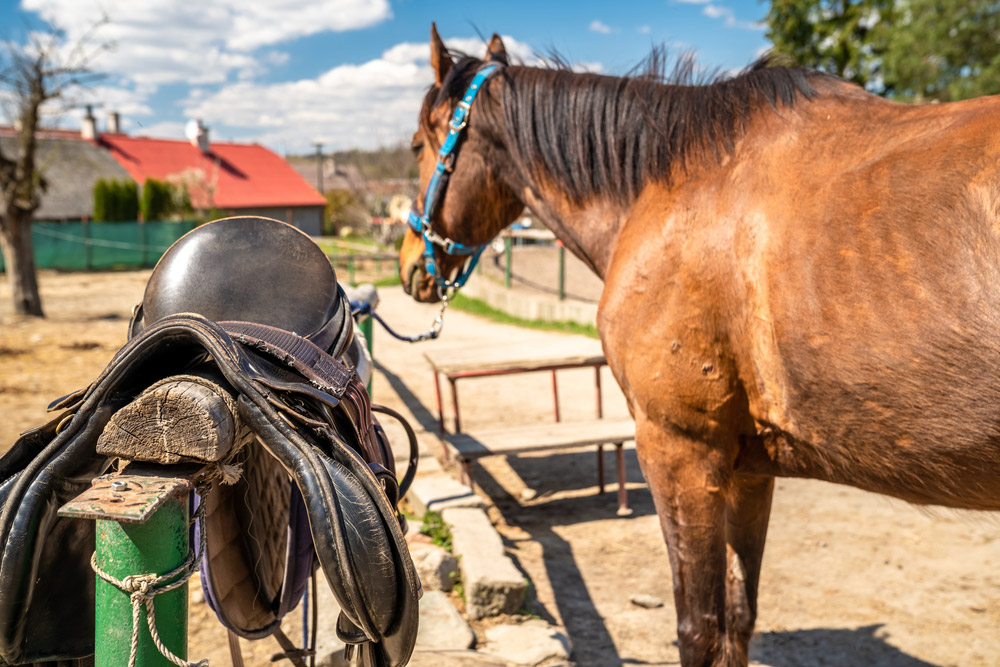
{"type": "Point", "coordinates": [576, 472]}
{"type": "Point", "coordinates": [829, 647]}
{"type": "Point", "coordinates": [427, 419]}
{"type": "Point", "coordinates": [592, 644]}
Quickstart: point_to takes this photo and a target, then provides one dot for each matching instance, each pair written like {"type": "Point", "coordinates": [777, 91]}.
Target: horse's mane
{"type": "Point", "coordinates": [595, 134]}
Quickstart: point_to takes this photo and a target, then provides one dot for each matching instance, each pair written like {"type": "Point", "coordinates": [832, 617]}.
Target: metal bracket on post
{"type": "Point", "coordinates": [142, 530]}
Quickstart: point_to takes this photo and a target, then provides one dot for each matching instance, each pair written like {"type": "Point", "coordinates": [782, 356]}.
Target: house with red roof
{"type": "Point", "coordinates": [238, 179]}
{"type": "Point", "coordinates": [235, 179]}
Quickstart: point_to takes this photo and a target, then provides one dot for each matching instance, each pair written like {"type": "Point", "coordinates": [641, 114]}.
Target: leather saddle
{"type": "Point", "coordinates": [253, 305]}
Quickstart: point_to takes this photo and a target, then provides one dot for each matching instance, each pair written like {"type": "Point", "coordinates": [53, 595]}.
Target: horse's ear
{"type": "Point", "coordinates": [440, 58]}
{"type": "Point", "coordinates": [496, 51]}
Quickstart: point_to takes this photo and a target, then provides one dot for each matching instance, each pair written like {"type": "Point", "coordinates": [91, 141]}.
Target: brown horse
{"type": "Point", "coordinates": [801, 279]}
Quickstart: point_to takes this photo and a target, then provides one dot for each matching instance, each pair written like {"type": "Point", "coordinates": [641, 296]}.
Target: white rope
{"type": "Point", "coordinates": [142, 588]}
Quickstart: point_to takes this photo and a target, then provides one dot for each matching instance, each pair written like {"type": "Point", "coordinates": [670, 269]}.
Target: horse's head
{"type": "Point", "coordinates": [470, 201]}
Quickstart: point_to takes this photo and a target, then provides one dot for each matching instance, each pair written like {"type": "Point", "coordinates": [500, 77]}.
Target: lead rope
{"type": "Point", "coordinates": [142, 588]}
{"type": "Point", "coordinates": [365, 308]}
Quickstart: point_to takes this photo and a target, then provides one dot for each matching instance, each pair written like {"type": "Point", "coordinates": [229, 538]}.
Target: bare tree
{"type": "Point", "coordinates": [32, 75]}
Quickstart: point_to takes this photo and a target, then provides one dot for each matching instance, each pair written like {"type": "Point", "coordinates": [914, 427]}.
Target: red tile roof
{"type": "Point", "coordinates": [229, 176]}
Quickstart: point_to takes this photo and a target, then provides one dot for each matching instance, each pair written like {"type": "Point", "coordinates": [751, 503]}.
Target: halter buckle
{"type": "Point", "coordinates": [463, 119]}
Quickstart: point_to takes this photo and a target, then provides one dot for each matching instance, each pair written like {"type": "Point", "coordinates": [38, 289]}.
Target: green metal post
{"type": "Point", "coordinates": [88, 260]}
{"type": "Point", "coordinates": [368, 330]}
{"type": "Point", "coordinates": [508, 255]}
{"type": "Point", "coordinates": [159, 545]}
{"type": "Point", "coordinates": [562, 271]}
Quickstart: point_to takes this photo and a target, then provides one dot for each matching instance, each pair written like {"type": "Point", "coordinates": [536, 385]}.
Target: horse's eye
{"type": "Point", "coordinates": [416, 148]}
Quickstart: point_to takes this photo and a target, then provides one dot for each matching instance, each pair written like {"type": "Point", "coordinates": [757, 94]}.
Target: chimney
{"type": "Point", "coordinates": [197, 134]}
{"type": "Point", "coordinates": [114, 123]}
{"type": "Point", "coordinates": [89, 128]}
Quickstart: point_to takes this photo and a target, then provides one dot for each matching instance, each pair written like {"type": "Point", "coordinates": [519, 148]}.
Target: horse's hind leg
{"type": "Point", "coordinates": [714, 524]}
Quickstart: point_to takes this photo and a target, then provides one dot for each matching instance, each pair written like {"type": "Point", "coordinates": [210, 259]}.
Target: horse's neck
{"type": "Point", "coordinates": [587, 230]}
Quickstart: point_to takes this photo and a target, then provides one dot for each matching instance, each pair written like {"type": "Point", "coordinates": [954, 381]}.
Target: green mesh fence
{"type": "Point", "coordinates": [78, 246]}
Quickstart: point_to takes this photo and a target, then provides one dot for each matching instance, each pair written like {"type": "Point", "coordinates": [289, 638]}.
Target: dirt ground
{"type": "Point", "coordinates": [849, 578]}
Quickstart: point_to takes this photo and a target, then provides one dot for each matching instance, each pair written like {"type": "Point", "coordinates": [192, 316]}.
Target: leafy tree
{"type": "Point", "coordinates": [342, 210]}
{"type": "Point", "coordinates": [944, 49]}
{"type": "Point", "coordinates": [843, 37]}
{"type": "Point", "coordinates": [101, 193]}
{"type": "Point", "coordinates": [918, 50]}
{"type": "Point", "coordinates": [129, 201]}
{"type": "Point", "coordinates": [156, 202]}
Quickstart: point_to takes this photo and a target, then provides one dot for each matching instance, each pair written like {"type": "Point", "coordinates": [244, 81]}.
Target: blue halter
{"type": "Point", "coordinates": [421, 224]}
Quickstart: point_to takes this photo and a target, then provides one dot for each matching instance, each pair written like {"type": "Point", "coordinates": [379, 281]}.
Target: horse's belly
{"type": "Point", "coordinates": [921, 423]}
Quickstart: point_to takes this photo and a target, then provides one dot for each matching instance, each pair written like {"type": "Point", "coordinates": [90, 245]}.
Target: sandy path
{"type": "Point", "coordinates": [849, 578]}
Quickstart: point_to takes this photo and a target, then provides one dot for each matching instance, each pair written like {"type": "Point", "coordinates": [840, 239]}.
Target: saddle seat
{"type": "Point", "coordinates": [250, 269]}
{"type": "Point", "coordinates": [317, 482]}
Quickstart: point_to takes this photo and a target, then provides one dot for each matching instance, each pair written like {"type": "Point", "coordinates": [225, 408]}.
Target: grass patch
{"type": "Point", "coordinates": [482, 309]}
{"type": "Point", "coordinates": [388, 281]}
{"type": "Point", "coordinates": [435, 528]}
{"type": "Point", "coordinates": [342, 246]}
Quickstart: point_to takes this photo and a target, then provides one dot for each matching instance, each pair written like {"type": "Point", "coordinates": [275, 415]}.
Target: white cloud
{"type": "Point", "coordinates": [693, 2]}
{"type": "Point", "coordinates": [603, 28]}
{"type": "Point", "coordinates": [365, 105]}
{"type": "Point", "coordinates": [420, 52]}
{"type": "Point", "coordinates": [112, 98]}
{"type": "Point", "coordinates": [277, 57]}
{"type": "Point", "coordinates": [160, 42]}
{"type": "Point", "coordinates": [643, 30]}
{"type": "Point", "coordinates": [370, 104]}
{"type": "Point", "coordinates": [164, 41]}
{"type": "Point", "coordinates": [164, 130]}
{"type": "Point", "coordinates": [729, 18]}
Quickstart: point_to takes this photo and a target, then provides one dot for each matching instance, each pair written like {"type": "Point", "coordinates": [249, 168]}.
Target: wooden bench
{"type": "Point", "coordinates": [469, 362]}
{"type": "Point", "coordinates": [467, 447]}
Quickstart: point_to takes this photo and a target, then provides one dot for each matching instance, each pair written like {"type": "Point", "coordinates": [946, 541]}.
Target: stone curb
{"type": "Point", "coordinates": [530, 306]}
{"type": "Point", "coordinates": [493, 585]}
{"type": "Point", "coordinates": [433, 489]}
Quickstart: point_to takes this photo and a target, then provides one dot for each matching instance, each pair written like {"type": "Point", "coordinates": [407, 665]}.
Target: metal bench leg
{"type": "Point", "coordinates": [437, 394]}
{"type": "Point", "coordinates": [600, 468]}
{"type": "Point", "coordinates": [623, 508]}
{"type": "Point", "coordinates": [454, 404]}
{"type": "Point", "coordinates": [555, 395]}
{"type": "Point", "coordinates": [467, 472]}
{"type": "Point", "coordinates": [597, 386]}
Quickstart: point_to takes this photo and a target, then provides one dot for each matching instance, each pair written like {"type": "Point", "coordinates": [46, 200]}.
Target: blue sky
{"type": "Point", "coordinates": [350, 73]}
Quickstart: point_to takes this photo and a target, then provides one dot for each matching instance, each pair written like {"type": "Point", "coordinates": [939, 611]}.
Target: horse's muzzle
{"type": "Point", "coordinates": [420, 285]}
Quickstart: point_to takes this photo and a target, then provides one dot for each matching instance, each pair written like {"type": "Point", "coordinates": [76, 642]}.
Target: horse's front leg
{"type": "Point", "coordinates": [714, 525]}
{"type": "Point", "coordinates": [748, 508]}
